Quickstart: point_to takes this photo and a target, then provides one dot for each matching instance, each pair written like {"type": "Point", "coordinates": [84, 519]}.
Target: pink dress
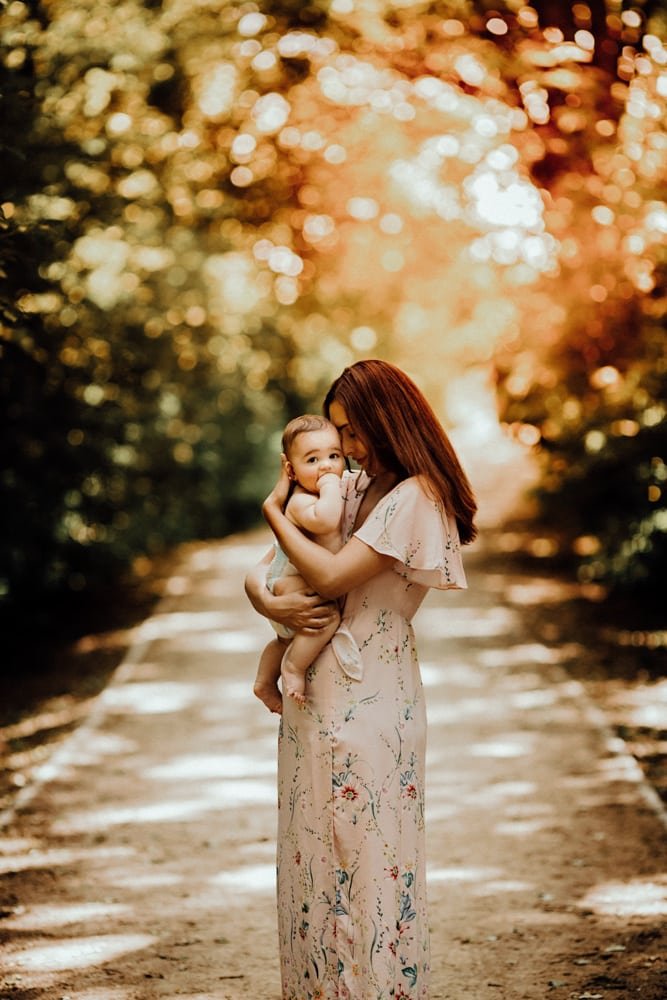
{"type": "Point", "coordinates": [351, 879]}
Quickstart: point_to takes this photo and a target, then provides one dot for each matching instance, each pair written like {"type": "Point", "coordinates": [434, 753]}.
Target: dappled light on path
{"type": "Point", "coordinates": [31, 856]}
{"type": "Point", "coordinates": [516, 768]}
{"type": "Point", "coordinates": [146, 868]}
{"type": "Point", "coordinates": [248, 880]}
{"type": "Point", "coordinates": [61, 914]}
{"type": "Point", "coordinates": [100, 993]}
{"type": "Point", "coordinates": [635, 898]}
{"type": "Point", "coordinates": [83, 952]}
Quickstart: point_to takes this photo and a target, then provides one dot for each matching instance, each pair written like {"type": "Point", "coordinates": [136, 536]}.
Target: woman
{"type": "Point", "coordinates": [351, 864]}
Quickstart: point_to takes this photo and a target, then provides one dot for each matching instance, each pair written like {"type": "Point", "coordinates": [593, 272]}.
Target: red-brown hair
{"type": "Point", "coordinates": [396, 422]}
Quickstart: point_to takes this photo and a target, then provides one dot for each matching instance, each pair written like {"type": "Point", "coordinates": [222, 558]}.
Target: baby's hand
{"type": "Point", "coordinates": [325, 477]}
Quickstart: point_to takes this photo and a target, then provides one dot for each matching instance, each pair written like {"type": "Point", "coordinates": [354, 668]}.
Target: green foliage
{"type": "Point", "coordinates": [586, 382]}
{"type": "Point", "coordinates": [603, 450]}
{"type": "Point", "coordinates": [208, 211]}
{"type": "Point", "coordinates": [121, 434]}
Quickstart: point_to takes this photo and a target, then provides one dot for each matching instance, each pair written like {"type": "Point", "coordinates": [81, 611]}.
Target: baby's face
{"type": "Point", "coordinates": [312, 454]}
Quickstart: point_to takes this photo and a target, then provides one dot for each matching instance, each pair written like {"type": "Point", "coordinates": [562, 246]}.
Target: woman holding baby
{"type": "Point", "coordinates": [351, 757]}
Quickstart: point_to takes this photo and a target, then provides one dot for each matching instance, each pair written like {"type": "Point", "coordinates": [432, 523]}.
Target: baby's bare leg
{"type": "Point", "coordinates": [288, 583]}
{"type": "Point", "coordinates": [268, 672]}
{"type": "Point", "coordinates": [301, 652]}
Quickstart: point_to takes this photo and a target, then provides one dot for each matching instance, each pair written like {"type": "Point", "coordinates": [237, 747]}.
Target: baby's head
{"type": "Point", "coordinates": [311, 445]}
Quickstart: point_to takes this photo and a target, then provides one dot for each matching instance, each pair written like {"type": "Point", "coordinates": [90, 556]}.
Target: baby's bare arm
{"type": "Point", "coordinates": [321, 514]}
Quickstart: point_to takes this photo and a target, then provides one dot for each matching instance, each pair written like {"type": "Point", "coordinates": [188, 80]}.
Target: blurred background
{"type": "Point", "coordinates": [209, 208]}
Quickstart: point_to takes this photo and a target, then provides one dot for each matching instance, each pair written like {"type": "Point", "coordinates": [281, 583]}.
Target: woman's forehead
{"type": "Point", "coordinates": [338, 414]}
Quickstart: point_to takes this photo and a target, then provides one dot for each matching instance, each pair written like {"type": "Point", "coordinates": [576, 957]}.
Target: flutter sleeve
{"type": "Point", "coordinates": [423, 539]}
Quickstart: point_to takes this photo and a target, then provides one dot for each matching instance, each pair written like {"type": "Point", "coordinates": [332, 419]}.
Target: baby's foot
{"type": "Point", "coordinates": [294, 683]}
{"type": "Point", "coordinates": [269, 693]}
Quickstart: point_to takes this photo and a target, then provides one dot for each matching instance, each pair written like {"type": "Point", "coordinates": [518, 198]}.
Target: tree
{"type": "Point", "coordinates": [221, 207]}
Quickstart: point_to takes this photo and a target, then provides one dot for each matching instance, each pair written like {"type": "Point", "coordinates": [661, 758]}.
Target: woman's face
{"type": "Point", "coordinates": [354, 447]}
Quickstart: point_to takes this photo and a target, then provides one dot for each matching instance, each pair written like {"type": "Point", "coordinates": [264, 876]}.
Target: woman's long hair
{"type": "Point", "coordinates": [398, 425]}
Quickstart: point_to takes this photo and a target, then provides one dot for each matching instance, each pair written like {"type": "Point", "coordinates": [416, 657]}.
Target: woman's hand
{"type": "Point", "coordinates": [300, 609]}
{"type": "Point", "coordinates": [277, 498]}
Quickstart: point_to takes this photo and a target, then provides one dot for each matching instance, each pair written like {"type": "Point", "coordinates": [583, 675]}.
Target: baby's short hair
{"type": "Point", "coordinates": [301, 425]}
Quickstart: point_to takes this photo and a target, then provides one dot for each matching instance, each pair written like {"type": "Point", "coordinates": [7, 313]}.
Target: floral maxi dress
{"type": "Point", "coordinates": [351, 866]}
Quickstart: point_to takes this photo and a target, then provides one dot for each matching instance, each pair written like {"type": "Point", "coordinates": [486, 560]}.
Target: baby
{"type": "Point", "coordinates": [315, 463]}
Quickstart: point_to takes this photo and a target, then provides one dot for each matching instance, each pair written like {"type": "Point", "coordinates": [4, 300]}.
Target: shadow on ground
{"type": "Point", "coordinates": [143, 865]}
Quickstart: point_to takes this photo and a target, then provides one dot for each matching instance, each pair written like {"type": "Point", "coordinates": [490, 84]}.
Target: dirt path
{"type": "Point", "coordinates": [144, 866]}
{"type": "Point", "coordinates": [140, 861]}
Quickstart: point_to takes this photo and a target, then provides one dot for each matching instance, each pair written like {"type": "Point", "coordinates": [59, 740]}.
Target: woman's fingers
{"type": "Point", "coordinates": [315, 613]}
{"type": "Point", "coordinates": [323, 614]}
{"type": "Point", "coordinates": [282, 487]}
{"type": "Point", "coordinates": [278, 495]}
{"type": "Point", "coordinates": [302, 609]}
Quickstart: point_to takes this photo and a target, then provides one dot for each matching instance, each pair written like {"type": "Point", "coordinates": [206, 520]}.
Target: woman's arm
{"type": "Point", "coordinates": [330, 574]}
{"type": "Point", "coordinates": [303, 610]}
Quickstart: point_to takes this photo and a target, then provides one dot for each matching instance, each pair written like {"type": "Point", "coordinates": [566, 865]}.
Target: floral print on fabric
{"type": "Point", "coordinates": [351, 879]}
